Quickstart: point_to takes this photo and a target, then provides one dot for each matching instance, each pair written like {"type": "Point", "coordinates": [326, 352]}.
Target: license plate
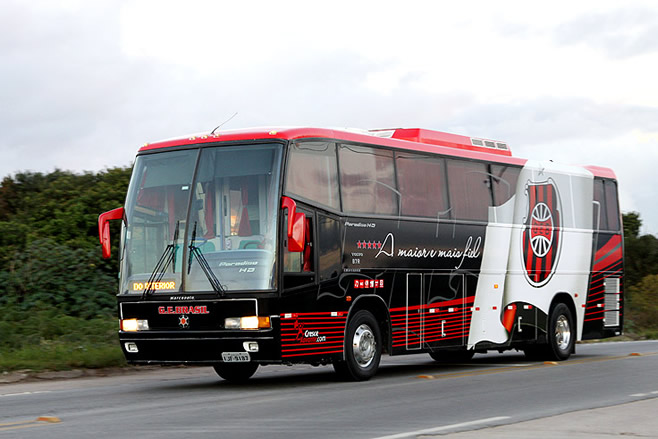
{"type": "Point", "coordinates": [236, 357]}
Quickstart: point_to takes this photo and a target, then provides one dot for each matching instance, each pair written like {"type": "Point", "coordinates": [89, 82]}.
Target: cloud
{"type": "Point", "coordinates": [552, 119]}
{"type": "Point", "coordinates": [621, 33]}
{"type": "Point", "coordinates": [87, 83]}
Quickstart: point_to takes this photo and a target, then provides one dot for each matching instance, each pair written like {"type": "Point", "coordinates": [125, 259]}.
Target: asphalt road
{"type": "Point", "coordinates": [412, 396]}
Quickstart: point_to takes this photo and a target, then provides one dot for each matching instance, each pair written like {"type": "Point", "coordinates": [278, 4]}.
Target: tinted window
{"type": "Point", "coordinates": [298, 266]}
{"type": "Point", "coordinates": [312, 173]}
{"type": "Point", "coordinates": [468, 184]}
{"type": "Point", "coordinates": [503, 182]}
{"type": "Point", "coordinates": [611, 206]}
{"type": "Point", "coordinates": [367, 178]}
{"type": "Point", "coordinates": [600, 220]}
{"type": "Point", "coordinates": [422, 185]}
{"type": "Point", "coordinates": [297, 262]}
{"type": "Point", "coordinates": [329, 241]}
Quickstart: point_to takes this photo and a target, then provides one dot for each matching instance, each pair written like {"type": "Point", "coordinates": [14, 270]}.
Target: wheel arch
{"type": "Point", "coordinates": [567, 299]}
{"type": "Point", "coordinates": [376, 305]}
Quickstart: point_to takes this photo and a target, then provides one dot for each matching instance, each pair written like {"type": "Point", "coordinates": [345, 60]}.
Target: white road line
{"type": "Point", "coordinates": [639, 394]}
{"type": "Point", "coordinates": [655, 392]}
{"type": "Point", "coordinates": [23, 393]}
{"type": "Point", "coordinates": [443, 428]}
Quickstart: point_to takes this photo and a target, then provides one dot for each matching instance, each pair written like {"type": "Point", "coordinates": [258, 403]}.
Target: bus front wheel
{"type": "Point", "coordinates": [235, 372]}
{"type": "Point", "coordinates": [362, 348]}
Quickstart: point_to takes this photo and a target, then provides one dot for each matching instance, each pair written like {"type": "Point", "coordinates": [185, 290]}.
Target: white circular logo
{"type": "Point", "coordinates": [541, 230]}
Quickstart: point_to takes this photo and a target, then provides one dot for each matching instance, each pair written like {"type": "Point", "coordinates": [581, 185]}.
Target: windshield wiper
{"type": "Point", "coordinates": [203, 263]}
{"type": "Point", "coordinates": [168, 257]}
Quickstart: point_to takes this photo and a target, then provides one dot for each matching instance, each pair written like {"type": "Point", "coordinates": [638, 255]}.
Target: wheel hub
{"type": "Point", "coordinates": [562, 332]}
{"type": "Point", "coordinates": [364, 345]}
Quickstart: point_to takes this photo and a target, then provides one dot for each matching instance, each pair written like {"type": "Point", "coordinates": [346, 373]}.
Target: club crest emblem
{"type": "Point", "coordinates": [183, 321]}
{"type": "Point", "coordinates": [541, 232]}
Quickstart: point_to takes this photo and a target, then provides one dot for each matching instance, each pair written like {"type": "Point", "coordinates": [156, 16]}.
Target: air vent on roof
{"type": "Point", "coordinates": [429, 137]}
{"type": "Point", "coordinates": [489, 144]}
{"type": "Point", "coordinates": [382, 133]}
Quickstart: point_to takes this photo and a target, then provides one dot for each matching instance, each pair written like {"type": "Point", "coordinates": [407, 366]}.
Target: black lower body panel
{"type": "Point", "coordinates": [196, 348]}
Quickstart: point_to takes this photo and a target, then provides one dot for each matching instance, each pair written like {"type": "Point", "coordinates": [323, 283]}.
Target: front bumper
{"type": "Point", "coordinates": [192, 347]}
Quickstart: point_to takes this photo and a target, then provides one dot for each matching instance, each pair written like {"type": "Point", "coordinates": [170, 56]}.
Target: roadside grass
{"type": "Point", "coordinates": [60, 356]}
{"type": "Point", "coordinates": [644, 334]}
{"type": "Point", "coordinates": [44, 339]}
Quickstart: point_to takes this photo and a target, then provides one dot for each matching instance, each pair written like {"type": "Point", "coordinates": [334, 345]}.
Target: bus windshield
{"type": "Point", "coordinates": [202, 227]}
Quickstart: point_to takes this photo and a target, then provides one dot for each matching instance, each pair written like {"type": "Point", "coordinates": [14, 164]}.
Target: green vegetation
{"type": "Point", "coordinates": [45, 338]}
{"type": "Point", "coordinates": [57, 293]}
{"type": "Point", "coordinates": [641, 265]}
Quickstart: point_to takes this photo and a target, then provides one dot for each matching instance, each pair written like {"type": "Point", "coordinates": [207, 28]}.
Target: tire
{"type": "Point", "coordinates": [560, 336]}
{"type": "Point", "coordinates": [452, 356]}
{"type": "Point", "coordinates": [236, 372]}
{"type": "Point", "coordinates": [561, 333]}
{"type": "Point", "coordinates": [362, 348]}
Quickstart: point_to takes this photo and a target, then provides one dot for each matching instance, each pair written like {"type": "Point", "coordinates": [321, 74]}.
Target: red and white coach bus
{"type": "Point", "coordinates": [322, 246]}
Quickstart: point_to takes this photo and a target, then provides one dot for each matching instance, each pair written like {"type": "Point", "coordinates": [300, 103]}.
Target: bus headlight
{"type": "Point", "coordinates": [248, 322]}
{"type": "Point", "coordinates": [132, 325]}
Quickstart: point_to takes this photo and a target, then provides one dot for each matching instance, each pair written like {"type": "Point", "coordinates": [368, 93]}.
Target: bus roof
{"type": "Point", "coordinates": [413, 139]}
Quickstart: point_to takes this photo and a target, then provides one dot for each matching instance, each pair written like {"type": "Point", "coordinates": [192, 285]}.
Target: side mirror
{"type": "Point", "coordinates": [296, 226]}
{"type": "Point", "coordinates": [297, 240]}
{"type": "Point", "coordinates": [104, 229]}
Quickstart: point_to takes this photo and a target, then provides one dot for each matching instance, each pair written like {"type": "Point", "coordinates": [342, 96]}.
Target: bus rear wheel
{"type": "Point", "coordinates": [561, 337]}
{"type": "Point", "coordinates": [362, 348]}
{"type": "Point", "coordinates": [561, 333]}
{"type": "Point", "coordinates": [236, 372]}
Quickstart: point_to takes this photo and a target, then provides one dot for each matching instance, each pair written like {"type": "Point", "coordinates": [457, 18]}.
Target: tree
{"type": "Point", "coordinates": [632, 224]}
{"type": "Point", "coordinates": [641, 252]}
{"type": "Point", "coordinates": [49, 249]}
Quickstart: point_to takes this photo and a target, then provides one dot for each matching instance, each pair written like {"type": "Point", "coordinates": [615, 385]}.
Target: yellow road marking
{"type": "Point", "coordinates": [50, 419]}
{"type": "Point", "coordinates": [529, 367]}
{"type": "Point", "coordinates": [41, 420]}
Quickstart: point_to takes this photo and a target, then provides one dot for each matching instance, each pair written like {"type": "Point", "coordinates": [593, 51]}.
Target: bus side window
{"type": "Point", "coordinates": [367, 180]}
{"type": "Point", "coordinates": [504, 180]}
{"type": "Point", "coordinates": [313, 173]}
{"type": "Point", "coordinates": [298, 266]}
{"type": "Point", "coordinates": [307, 254]}
{"type": "Point", "coordinates": [423, 188]}
{"type": "Point", "coordinates": [329, 251]}
{"type": "Point", "coordinates": [469, 186]}
{"type": "Point", "coordinates": [600, 218]}
{"type": "Point", "coordinates": [300, 262]}
{"type": "Point", "coordinates": [612, 205]}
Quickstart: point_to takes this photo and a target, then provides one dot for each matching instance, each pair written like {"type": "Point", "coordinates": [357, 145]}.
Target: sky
{"type": "Point", "coordinates": [86, 83]}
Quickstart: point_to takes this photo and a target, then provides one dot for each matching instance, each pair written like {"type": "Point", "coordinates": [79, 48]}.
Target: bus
{"type": "Point", "coordinates": [251, 247]}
